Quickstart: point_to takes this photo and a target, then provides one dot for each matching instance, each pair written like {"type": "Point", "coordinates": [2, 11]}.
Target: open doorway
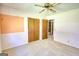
{"type": "Point", "coordinates": [50, 28]}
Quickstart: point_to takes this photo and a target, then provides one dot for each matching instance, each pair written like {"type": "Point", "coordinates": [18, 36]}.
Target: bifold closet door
{"type": "Point", "coordinates": [33, 29]}
{"type": "Point", "coordinates": [44, 29]}
{"type": "Point", "coordinates": [36, 29]}
{"type": "Point", "coordinates": [30, 29]}
{"type": "Point", "coordinates": [0, 24]}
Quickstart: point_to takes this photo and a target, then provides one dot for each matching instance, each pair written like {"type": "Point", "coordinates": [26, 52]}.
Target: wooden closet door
{"type": "Point", "coordinates": [33, 29]}
{"type": "Point", "coordinates": [30, 30]}
{"type": "Point", "coordinates": [44, 29]}
{"type": "Point", "coordinates": [36, 29]}
{"type": "Point", "coordinates": [0, 23]}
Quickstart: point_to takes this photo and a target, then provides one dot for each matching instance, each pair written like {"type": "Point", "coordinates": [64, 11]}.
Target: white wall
{"type": "Point", "coordinates": [66, 27]}
{"type": "Point", "coordinates": [11, 40]}
{"type": "Point", "coordinates": [40, 37]}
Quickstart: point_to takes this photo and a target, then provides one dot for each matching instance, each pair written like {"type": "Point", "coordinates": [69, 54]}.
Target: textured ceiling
{"type": "Point", "coordinates": [30, 9]}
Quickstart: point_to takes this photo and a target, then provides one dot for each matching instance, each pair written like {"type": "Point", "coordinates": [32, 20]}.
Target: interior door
{"type": "Point", "coordinates": [30, 29]}
{"type": "Point", "coordinates": [33, 29]}
{"type": "Point", "coordinates": [44, 29]}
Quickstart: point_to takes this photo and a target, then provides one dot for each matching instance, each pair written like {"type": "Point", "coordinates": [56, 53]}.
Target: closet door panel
{"type": "Point", "coordinates": [45, 29]}
{"type": "Point", "coordinates": [30, 30]}
{"type": "Point", "coordinates": [33, 29]}
{"type": "Point", "coordinates": [0, 23]}
{"type": "Point", "coordinates": [36, 31]}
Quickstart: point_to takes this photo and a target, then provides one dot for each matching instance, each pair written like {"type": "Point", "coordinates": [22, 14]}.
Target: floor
{"type": "Point", "coordinates": [46, 47]}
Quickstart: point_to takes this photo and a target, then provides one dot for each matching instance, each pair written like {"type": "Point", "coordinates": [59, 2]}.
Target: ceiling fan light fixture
{"type": "Point", "coordinates": [48, 7]}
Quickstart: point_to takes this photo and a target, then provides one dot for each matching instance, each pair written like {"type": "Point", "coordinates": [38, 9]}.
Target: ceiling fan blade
{"type": "Point", "coordinates": [52, 10]}
{"type": "Point", "coordinates": [55, 4]}
{"type": "Point", "coordinates": [39, 5]}
{"type": "Point", "coordinates": [42, 11]}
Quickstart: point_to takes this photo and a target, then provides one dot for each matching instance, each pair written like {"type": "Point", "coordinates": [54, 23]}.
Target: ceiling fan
{"type": "Point", "coordinates": [48, 6]}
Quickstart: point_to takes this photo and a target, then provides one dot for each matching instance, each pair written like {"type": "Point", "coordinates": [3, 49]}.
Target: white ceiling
{"type": "Point", "coordinates": [30, 9]}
